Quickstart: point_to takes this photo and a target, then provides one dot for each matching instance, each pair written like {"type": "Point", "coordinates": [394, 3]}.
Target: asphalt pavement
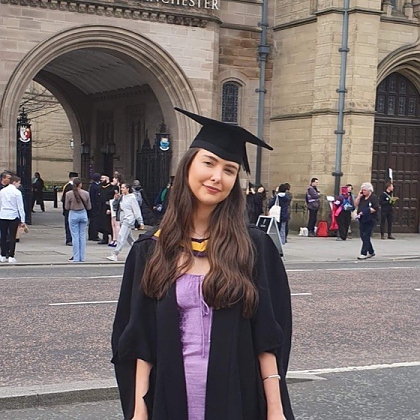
{"type": "Point", "coordinates": [357, 316]}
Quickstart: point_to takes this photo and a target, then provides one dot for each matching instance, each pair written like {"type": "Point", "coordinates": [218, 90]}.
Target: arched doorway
{"type": "Point", "coordinates": [397, 146]}
{"type": "Point", "coordinates": [90, 67]}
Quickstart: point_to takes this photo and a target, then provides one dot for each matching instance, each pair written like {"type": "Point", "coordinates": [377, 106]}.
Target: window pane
{"type": "Point", "coordinates": [230, 96]}
{"type": "Point", "coordinates": [401, 105]}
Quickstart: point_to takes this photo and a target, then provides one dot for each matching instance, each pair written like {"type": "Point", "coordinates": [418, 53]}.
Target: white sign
{"type": "Point", "coordinates": [269, 225]}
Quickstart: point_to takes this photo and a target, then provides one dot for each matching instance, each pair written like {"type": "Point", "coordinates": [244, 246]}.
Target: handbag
{"type": "Point", "coordinates": [275, 211]}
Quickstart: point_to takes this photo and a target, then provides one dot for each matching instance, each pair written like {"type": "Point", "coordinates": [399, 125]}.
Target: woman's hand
{"type": "Point", "coordinates": [141, 226]}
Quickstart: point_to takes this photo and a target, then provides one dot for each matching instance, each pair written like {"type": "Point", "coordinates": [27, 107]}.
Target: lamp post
{"type": "Point", "coordinates": [24, 160]}
{"type": "Point", "coordinates": [109, 151]}
{"type": "Point", "coordinates": [85, 161]}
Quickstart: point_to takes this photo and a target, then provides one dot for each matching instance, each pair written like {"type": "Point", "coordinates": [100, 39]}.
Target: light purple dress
{"type": "Point", "coordinates": [195, 327]}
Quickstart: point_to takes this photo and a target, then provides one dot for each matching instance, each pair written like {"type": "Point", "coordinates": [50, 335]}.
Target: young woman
{"type": "Point", "coordinates": [116, 183]}
{"type": "Point", "coordinates": [12, 216]}
{"type": "Point", "coordinates": [203, 323]}
{"type": "Point", "coordinates": [129, 213]}
{"type": "Point", "coordinates": [113, 207]}
{"type": "Point", "coordinates": [78, 203]}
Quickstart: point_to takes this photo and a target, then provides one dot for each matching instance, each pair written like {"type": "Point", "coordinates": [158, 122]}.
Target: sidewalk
{"type": "Point", "coordinates": [45, 245]}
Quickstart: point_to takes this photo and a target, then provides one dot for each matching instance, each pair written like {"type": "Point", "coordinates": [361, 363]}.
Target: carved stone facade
{"type": "Point", "coordinates": [102, 58]}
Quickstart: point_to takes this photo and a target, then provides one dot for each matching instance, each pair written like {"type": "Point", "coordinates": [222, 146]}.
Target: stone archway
{"type": "Point", "coordinates": [397, 146]}
{"type": "Point", "coordinates": [163, 74]}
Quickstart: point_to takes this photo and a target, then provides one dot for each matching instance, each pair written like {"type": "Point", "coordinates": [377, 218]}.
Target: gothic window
{"type": "Point", "coordinates": [230, 103]}
{"type": "Point", "coordinates": [397, 97]}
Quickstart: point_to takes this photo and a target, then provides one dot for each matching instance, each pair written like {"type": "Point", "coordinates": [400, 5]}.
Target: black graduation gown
{"type": "Point", "coordinates": [106, 193]}
{"type": "Point", "coordinates": [149, 330]}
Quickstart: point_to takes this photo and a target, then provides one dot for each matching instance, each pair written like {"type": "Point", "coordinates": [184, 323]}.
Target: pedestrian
{"type": "Point", "coordinates": [12, 216]}
{"type": "Point", "coordinates": [204, 309]}
{"type": "Point", "coordinates": [129, 213]}
{"type": "Point", "coordinates": [386, 201]}
{"type": "Point", "coordinates": [162, 199]}
{"type": "Point", "coordinates": [67, 187]}
{"type": "Point", "coordinates": [260, 201]}
{"type": "Point", "coordinates": [312, 202]}
{"type": "Point", "coordinates": [78, 204]}
{"type": "Point", "coordinates": [344, 205]}
{"type": "Point", "coordinates": [106, 194]}
{"type": "Point", "coordinates": [114, 205]}
{"type": "Point", "coordinates": [94, 212]}
{"type": "Point", "coordinates": [250, 203]}
{"type": "Point", "coordinates": [5, 179]}
{"type": "Point", "coordinates": [290, 197]}
{"type": "Point", "coordinates": [353, 214]}
{"type": "Point", "coordinates": [367, 210]}
{"type": "Point", "coordinates": [284, 203]}
{"type": "Point", "coordinates": [146, 210]}
{"type": "Point", "coordinates": [37, 192]}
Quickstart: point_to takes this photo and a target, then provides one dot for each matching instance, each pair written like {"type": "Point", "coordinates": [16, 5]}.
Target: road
{"type": "Point", "coordinates": [356, 334]}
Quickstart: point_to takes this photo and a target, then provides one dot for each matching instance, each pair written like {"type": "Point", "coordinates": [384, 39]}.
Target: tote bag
{"type": "Point", "coordinates": [275, 210]}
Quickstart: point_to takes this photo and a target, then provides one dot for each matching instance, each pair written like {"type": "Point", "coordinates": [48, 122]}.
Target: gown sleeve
{"type": "Point", "coordinates": [272, 322]}
{"type": "Point", "coordinates": [134, 328]}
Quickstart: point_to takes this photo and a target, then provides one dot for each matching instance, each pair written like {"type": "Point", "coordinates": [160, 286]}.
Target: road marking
{"type": "Point", "coordinates": [417, 290]}
{"type": "Point", "coordinates": [302, 270]}
{"type": "Point", "coordinates": [83, 303]}
{"type": "Point", "coordinates": [355, 368]}
{"type": "Point", "coordinates": [301, 294]}
{"type": "Point", "coordinates": [67, 278]}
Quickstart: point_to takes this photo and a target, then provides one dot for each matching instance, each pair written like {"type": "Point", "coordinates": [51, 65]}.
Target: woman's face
{"type": "Point", "coordinates": [124, 189]}
{"type": "Point", "coordinates": [211, 178]}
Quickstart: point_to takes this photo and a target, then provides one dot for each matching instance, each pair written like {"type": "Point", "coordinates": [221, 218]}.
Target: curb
{"type": "Point", "coordinates": [47, 396]}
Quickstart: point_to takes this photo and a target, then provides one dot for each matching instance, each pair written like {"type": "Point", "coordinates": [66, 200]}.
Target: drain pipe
{"type": "Point", "coordinates": [342, 95]}
{"type": "Point", "coordinates": [263, 51]}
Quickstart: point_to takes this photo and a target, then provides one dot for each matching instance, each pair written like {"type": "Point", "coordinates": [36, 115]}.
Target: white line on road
{"type": "Point", "coordinates": [66, 278]}
{"type": "Point", "coordinates": [82, 303]}
{"type": "Point", "coordinates": [301, 294]}
{"type": "Point", "coordinates": [356, 368]}
{"type": "Point", "coordinates": [301, 270]}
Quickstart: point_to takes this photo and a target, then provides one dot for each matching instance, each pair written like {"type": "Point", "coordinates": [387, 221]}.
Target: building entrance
{"type": "Point", "coordinates": [117, 87]}
{"type": "Point", "coordinates": [397, 146]}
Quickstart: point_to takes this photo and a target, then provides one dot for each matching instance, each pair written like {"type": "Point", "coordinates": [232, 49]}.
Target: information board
{"type": "Point", "coordinates": [268, 224]}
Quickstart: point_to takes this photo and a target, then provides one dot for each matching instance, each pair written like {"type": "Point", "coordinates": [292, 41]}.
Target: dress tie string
{"type": "Point", "coordinates": [205, 311]}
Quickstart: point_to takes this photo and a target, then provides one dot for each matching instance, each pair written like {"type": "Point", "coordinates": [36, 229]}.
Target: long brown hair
{"type": "Point", "coordinates": [76, 183]}
{"type": "Point", "coordinates": [229, 250]}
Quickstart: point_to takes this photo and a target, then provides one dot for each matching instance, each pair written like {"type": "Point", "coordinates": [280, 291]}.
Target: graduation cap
{"type": "Point", "coordinates": [224, 140]}
{"type": "Point", "coordinates": [73, 174]}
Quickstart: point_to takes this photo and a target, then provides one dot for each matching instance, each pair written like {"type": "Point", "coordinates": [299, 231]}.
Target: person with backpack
{"type": "Point", "coordinates": [283, 200]}
{"type": "Point", "coordinates": [344, 206]}
{"type": "Point", "coordinates": [312, 202]}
